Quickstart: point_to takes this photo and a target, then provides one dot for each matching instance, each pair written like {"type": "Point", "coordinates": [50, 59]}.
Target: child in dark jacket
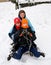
{"type": "Point", "coordinates": [26, 42]}
{"type": "Point", "coordinates": [16, 29]}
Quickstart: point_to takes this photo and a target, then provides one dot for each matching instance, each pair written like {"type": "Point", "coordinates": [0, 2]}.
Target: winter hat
{"type": "Point", "coordinates": [24, 23]}
{"type": "Point", "coordinates": [16, 20]}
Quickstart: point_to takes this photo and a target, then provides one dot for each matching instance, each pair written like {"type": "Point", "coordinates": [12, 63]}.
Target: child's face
{"type": "Point", "coordinates": [17, 24]}
{"type": "Point", "coordinates": [22, 15]}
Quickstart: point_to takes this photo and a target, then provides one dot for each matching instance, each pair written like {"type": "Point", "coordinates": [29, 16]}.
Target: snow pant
{"type": "Point", "coordinates": [22, 50]}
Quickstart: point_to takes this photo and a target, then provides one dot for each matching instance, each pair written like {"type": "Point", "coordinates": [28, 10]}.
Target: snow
{"type": "Point", "coordinates": [32, 1]}
{"type": "Point", "coordinates": [40, 17]}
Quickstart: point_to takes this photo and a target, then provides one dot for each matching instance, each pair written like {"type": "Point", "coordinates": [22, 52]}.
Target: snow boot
{"type": "Point", "coordinates": [42, 54]}
{"type": "Point", "coordinates": [9, 57]}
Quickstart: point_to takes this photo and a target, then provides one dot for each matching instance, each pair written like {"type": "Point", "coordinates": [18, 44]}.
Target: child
{"type": "Point", "coordinates": [15, 30]}
{"type": "Point", "coordinates": [14, 34]}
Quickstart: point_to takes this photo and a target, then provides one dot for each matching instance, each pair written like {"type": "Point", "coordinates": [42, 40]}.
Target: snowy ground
{"type": "Point", "coordinates": [40, 17]}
